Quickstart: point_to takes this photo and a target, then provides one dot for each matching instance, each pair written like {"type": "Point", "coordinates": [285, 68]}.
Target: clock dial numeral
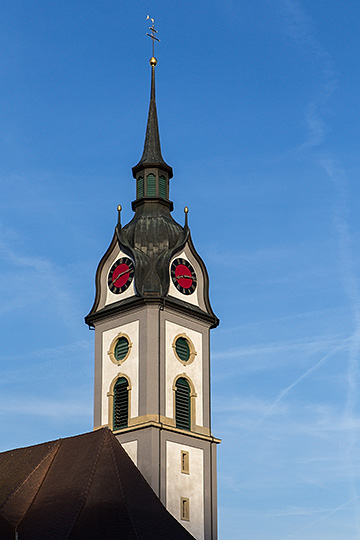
{"type": "Point", "coordinates": [183, 276]}
{"type": "Point", "coordinates": [121, 275]}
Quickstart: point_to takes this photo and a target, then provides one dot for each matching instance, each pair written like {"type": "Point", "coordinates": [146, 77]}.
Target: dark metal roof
{"type": "Point", "coordinates": [152, 235]}
{"type": "Point", "coordinates": [151, 238]}
{"type": "Point", "coordinates": [152, 156]}
{"type": "Point", "coordinates": [80, 488]}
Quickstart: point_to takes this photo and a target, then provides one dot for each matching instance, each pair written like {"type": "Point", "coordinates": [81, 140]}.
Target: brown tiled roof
{"type": "Point", "coordinates": [80, 488]}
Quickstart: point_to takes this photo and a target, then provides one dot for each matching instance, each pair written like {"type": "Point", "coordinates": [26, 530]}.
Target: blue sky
{"type": "Point", "coordinates": [259, 118]}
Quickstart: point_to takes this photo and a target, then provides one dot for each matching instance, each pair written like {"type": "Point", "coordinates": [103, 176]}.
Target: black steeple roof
{"type": "Point", "coordinates": [152, 156]}
{"type": "Point", "coordinates": [152, 236]}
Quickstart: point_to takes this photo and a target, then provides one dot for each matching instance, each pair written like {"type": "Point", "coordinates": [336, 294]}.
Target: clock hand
{"type": "Point", "coordinates": [121, 274]}
{"type": "Point", "coordinates": [185, 277]}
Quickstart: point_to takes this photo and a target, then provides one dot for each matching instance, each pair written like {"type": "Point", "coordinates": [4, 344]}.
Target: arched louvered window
{"type": "Point", "coordinates": [121, 403]}
{"type": "Point", "coordinates": [182, 404]}
{"type": "Point", "coordinates": [140, 187]}
{"type": "Point", "coordinates": [162, 187]}
{"type": "Point", "coordinates": [151, 185]}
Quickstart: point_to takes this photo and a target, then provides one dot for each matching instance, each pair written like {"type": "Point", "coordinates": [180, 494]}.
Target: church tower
{"type": "Point", "coordinates": [152, 319]}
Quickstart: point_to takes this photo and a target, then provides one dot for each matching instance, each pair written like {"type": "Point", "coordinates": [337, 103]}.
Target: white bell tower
{"type": "Point", "coordinates": [152, 319]}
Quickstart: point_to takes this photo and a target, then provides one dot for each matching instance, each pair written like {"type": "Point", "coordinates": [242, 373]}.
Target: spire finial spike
{"type": "Point", "coordinates": [119, 208]}
{"type": "Point", "coordinates": [186, 211]}
{"type": "Point", "coordinates": [153, 37]}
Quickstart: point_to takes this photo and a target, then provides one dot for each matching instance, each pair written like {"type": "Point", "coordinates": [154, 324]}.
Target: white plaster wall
{"type": "Point", "coordinates": [111, 297]}
{"type": "Point", "coordinates": [130, 367]}
{"type": "Point", "coordinates": [131, 448]}
{"type": "Point", "coordinates": [175, 368]}
{"type": "Point", "coordinates": [190, 486]}
{"type": "Point", "coordinates": [191, 298]}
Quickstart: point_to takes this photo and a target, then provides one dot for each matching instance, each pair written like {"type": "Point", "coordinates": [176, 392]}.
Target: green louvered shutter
{"type": "Point", "coordinates": [182, 349]}
{"type": "Point", "coordinates": [150, 185]}
{"type": "Point", "coordinates": [121, 348]}
{"type": "Point", "coordinates": [140, 187]}
{"type": "Point", "coordinates": [121, 403]}
{"type": "Point", "coordinates": [182, 404]}
{"type": "Point", "coordinates": [162, 187]}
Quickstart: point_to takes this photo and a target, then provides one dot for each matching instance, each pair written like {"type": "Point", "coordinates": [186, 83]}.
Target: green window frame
{"type": "Point", "coordinates": [121, 404]}
{"type": "Point", "coordinates": [182, 404]}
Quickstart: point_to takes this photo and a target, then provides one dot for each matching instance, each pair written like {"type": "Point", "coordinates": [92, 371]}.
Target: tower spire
{"type": "Point", "coordinates": [151, 156]}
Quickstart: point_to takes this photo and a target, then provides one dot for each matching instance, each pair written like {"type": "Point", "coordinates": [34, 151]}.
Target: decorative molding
{"type": "Point", "coordinates": [133, 303]}
{"type": "Point", "coordinates": [167, 424]}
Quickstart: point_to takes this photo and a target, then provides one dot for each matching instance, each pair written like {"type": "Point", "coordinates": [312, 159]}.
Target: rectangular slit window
{"type": "Point", "coordinates": [185, 462]}
{"type": "Point", "coordinates": [185, 508]}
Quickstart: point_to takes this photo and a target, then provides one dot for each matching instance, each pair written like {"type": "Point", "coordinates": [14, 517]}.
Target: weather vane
{"type": "Point", "coordinates": [153, 32]}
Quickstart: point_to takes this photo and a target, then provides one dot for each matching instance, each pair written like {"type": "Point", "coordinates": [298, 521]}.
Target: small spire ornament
{"type": "Point", "coordinates": [186, 211]}
{"type": "Point", "coordinates": [153, 60]}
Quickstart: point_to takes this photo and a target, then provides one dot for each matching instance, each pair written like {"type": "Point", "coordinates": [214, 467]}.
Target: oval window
{"type": "Point", "coordinates": [121, 348]}
{"type": "Point", "coordinates": [182, 349]}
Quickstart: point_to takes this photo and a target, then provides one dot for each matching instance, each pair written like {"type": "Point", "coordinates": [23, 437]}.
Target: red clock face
{"type": "Point", "coordinates": [183, 276]}
{"type": "Point", "coordinates": [121, 275]}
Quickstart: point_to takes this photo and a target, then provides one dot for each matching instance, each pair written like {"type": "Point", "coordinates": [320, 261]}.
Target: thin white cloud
{"type": "Point", "coordinates": [251, 405]}
{"type": "Point", "coordinates": [48, 281]}
{"type": "Point", "coordinates": [48, 363]}
{"type": "Point", "coordinates": [301, 29]}
{"type": "Point", "coordinates": [308, 346]}
{"type": "Point", "coordinates": [316, 314]}
{"type": "Point", "coordinates": [283, 394]}
{"type": "Point", "coordinates": [316, 127]}
{"type": "Point", "coordinates": [54, 409]}
{"type": "Point", "coordinates": [351, 286]}
{"type": "Point", "coordinates": [79, 347]}
{"type": "Point", "coordinates": [296, 511]}
{"type": "Point", "coordinates": [272, 356]}
{"type": "Point", "coordinates": [331, 512]}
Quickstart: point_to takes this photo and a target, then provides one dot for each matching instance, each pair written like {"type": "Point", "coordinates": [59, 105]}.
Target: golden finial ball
{"type": "Point", "coordinates": [186, 210]}
{"type": "Point", "coordinates": [119, 208]}
{"type": "Point", "coordinates": [153, 61]}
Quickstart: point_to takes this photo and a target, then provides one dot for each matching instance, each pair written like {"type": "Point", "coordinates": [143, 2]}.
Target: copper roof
{"type": "Point", "coordinates": [83, 487]}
